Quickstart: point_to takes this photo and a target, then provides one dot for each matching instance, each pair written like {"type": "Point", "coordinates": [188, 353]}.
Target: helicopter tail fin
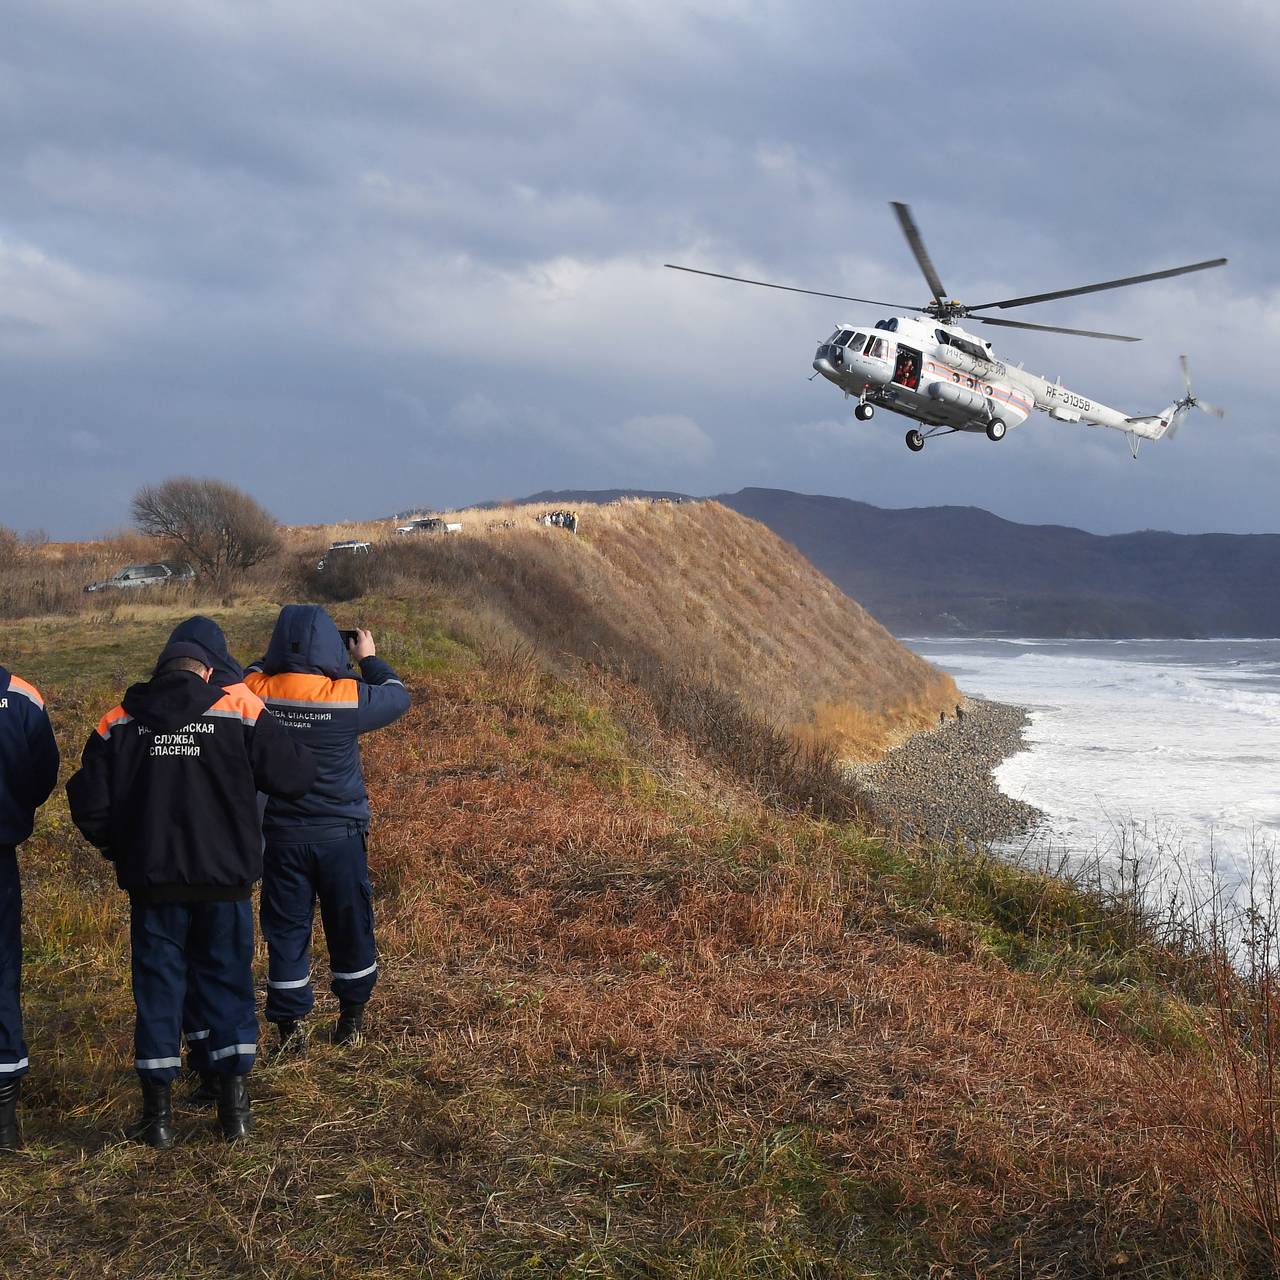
{"type": "Point", "coordinates": [1155, 426]}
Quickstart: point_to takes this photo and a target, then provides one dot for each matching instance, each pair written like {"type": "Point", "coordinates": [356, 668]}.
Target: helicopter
{"type": "Point", "coordinates": [926, 367]}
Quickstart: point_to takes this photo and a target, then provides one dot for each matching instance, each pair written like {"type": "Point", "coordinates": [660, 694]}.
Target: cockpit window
{"type": "Point", "coordinates": [856, 343]}
{"type": "Point", "coordinates": [843, 336]}
{"type": "Point", "coordinates": [875, 349]}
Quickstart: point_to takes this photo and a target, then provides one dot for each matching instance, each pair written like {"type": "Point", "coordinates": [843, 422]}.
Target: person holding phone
{"type": "Point", "coordinates": [317, 846]}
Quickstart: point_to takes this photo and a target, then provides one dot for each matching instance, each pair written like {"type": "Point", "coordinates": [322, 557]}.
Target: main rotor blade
{"type": "Point", "coordinates": [916, 241]}
{"type": "Point", "coordinates": [1186, 373]}
{"type": "Point", "coordinates": [1098, 288]}
{"type": "Point", "coordinates": [764, 284]}
{"type": "Point", "coordinates": [1214, 409]}
{"type": "Point", "coordinates": [1053, 328]}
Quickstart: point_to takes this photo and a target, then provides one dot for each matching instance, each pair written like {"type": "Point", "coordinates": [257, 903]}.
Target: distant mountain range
{"type": "Point", "coordinates": [964, 571]}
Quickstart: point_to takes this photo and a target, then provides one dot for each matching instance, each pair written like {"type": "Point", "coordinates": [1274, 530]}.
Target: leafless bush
{"type": "Point", "coordinates": [222, 530]}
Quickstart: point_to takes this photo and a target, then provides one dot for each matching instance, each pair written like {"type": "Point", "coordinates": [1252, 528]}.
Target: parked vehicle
{"type": "Point", "coordinates": [430, 524]}
{"type": "Point", "coordinates": [144, 575]}
{"type": "Point", "coordinates": [350, 548]}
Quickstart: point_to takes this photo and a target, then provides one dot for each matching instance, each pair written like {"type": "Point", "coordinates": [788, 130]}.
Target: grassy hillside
{"type": "Point", "coordinates": [694, 591]}
{"type": "Point", "coordinates": [631, 1021]}
{"type": "Point", "coordinates": [641, 1012]}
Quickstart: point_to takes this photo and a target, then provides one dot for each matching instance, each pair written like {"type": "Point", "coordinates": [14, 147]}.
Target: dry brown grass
{"type": "Point", "coordinates": [695, 591]}
{"type": "Point", "coordinates": [631, 1021]}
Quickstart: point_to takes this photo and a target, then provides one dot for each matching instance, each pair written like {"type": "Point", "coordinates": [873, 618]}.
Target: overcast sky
{"type": "Point", "coordinates": [357, 258]}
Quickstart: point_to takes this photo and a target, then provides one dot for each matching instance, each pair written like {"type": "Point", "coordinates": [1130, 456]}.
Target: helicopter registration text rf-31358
{"type": "Point", "coordinates": [927, 368]}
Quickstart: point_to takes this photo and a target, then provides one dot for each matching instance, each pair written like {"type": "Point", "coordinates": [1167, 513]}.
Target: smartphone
{"type": "Point", "coordinates": [348, 637]}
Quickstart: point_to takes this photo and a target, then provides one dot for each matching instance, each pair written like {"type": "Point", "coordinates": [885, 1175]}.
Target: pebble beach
{"type": "Point", "coordinates": [938, 785]}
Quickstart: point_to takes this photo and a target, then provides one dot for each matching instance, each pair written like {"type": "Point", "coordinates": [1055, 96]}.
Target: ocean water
{"type": "Point", "coordinates": [1169, 747]}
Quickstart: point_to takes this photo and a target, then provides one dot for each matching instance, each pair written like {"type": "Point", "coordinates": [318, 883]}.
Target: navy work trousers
{"type": "Point", "coordinates": [294, 875]}
{"type": "Point", "coordinates": [197, 955]}
{"type": "Point", "coordinates": [13, 1049]}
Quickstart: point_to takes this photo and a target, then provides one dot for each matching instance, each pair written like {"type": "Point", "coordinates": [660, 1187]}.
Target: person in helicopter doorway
{"type": "Point", "coordinates": [317, 846]}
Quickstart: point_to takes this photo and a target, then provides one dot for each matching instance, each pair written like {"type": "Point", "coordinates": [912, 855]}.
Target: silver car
{"type": "Point", "coordinates": [144, 575]}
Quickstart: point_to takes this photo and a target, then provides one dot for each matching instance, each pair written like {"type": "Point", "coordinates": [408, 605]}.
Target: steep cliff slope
{"type": "Point", "coordinates": [692, 590]}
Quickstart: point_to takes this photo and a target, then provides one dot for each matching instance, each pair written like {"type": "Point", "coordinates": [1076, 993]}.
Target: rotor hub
{"type": "Point", "coordinates": [945, 311]}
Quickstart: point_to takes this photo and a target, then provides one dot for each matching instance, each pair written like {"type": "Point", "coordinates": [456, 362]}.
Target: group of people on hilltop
{"type": "Point", "coordinates": [168, 789]}
{"type": "Point", "coordinates": [561, 520]}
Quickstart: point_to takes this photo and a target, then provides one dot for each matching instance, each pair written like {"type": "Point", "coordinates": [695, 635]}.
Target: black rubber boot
{"type": "Point", "coordinates": [293, 1038]}
{"type": "Point", "coordinates": [350, 1023]}
{"type": "Point", "coordinates": [10, 1137]}
{"type": "Point", "coordinates": [155, 1128]}
{"type": "Point", "coordinates": [234, 1112]}
{"type": "Point", "coordinates": [205, 1094]}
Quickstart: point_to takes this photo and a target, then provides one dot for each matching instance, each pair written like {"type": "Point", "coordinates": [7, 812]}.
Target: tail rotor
{"type": "Point", "coordinates": [1190, 400]}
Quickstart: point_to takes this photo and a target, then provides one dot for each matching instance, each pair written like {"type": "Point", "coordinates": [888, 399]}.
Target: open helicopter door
{"type": "Point", "coordinates": [906, 369]}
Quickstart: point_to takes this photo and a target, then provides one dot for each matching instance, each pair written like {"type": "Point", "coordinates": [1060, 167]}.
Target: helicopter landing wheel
{"type": "Point", "coordinates": [996, 429]}
{"type": "Point", "coordinates": [864, 412]}
{"type": "Point", "coordinates": [915, 441]}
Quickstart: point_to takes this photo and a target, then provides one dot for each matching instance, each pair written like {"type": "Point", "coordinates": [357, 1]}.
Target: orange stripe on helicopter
{"type": "Point", "coordinates": [1004, 396]}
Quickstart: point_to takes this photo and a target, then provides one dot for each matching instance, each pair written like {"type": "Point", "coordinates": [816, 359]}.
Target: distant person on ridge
{"type": "Point", "coordinates": [317, 846]}
{"type": "Point", "coordinates": [168, 790]}
{"type": "Point", "coordinates": [28, 772]}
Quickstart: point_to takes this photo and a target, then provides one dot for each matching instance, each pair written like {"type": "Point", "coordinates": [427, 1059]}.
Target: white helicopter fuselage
{"type": "Point", "coordinates": [946, 378]}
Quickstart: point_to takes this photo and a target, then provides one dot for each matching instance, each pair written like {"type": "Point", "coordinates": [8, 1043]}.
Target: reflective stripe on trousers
{"type": "Point", "coordinates": [13, 1048]}
{"type": "Point", "coordinates": [294, 876]}
{"type": "Point", "coordinates": [192, 961]}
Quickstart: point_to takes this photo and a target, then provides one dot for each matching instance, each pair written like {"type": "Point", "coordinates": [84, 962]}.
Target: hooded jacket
{"type": "Point", "coordinates": [28, 757]}
{"type": "Point", "coordinates": [168, 783]}
{"type": "Point", "coordinates": [208, 635]}
{"type": "Point", "coordinates": [306, 679]}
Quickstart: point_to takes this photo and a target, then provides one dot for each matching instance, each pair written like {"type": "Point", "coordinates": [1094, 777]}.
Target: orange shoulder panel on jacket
{"type": "Point", "coordinates": [298, 686]}
{"type": "Point", "coordinates": [117, 715]}
{"type": "Point", "coordinates": [240, 700]}
{"type": "Point", "coordinates": [18, 685]}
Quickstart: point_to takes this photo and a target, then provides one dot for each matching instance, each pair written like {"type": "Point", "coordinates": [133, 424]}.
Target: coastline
{"type": "Point", "coordinates": [939, 783]}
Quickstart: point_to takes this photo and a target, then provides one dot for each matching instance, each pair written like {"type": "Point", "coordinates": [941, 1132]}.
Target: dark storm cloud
{"type": "Point", "coordinates": [360, 259]}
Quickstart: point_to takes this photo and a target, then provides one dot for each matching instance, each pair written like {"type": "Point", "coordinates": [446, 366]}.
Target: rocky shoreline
{"type": "Point", "coordinates": [938, 785]}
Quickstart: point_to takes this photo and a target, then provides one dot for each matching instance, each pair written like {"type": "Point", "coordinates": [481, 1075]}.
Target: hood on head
{"type": "Point", "coordinates": [166, 703]}
{"type": "Point", "coordinates": [306, 639]}
{"type": "Point", "coordinates": [206, 633]}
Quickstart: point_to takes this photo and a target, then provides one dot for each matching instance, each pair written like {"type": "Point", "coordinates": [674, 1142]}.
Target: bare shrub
{"type": "Point", "coordinates": [10, 547]}
{"type": "Point", "coordinates": [222, 530]}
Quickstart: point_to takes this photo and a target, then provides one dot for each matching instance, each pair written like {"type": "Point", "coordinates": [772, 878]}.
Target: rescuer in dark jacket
{"type": "Point", "coordinates": [167, 789]}
{"type": "Point", "coordinates": [316, 845]}
{"type": "Point", "coordinates": [227, 673]}
{"type": "Point", "coordinates": [28, 772]}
